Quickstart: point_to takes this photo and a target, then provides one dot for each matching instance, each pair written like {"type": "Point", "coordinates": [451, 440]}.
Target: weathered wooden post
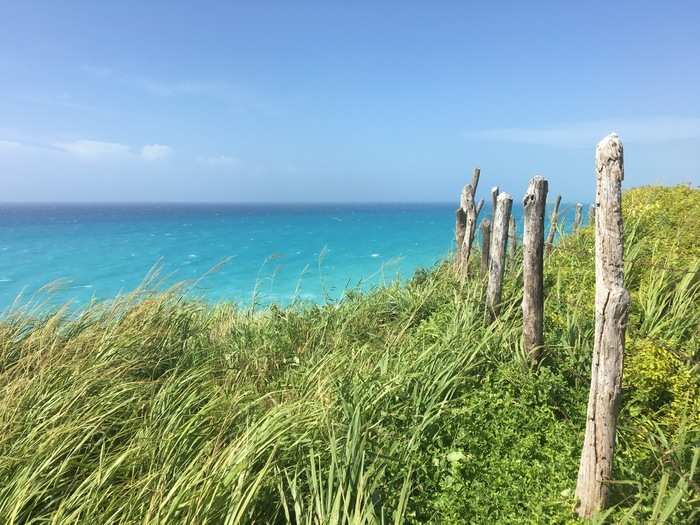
{"type": "Point", "coordinates": [533, 278]}
{"type": "Point", "coordinates": [485, 242]}
{"type": "Point", "coordinates": [475, 180]}
{"type": "Point", "coordinates": [494, 198]}
{"type": "Point", "coordinates": [591, 215]}
{"type": "Point", "coordinates": [577, 216]}
{"type": "Point", "coordinates": [497, 252]}
{"type": "Point", "coordinates": [512, 240]}
{"type": "Point", "coordinates": [611, 309]}
{"type": "Point", "coordinates": [471, 212]}
{"type": "Point", "coordinates": [460, 226]}
{"type": "Point", "coordinates": [552, 226]}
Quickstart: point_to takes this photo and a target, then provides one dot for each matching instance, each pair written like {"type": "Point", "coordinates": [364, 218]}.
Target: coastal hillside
{"type": "Point", "coordinates": [401, 405]}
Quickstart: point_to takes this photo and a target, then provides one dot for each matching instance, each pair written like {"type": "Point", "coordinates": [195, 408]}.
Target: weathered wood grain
{"type": "Point", "coordinates": [497, 253]}
{"type": "Point", "coordinates": [485, 245]}
{"type": "Point", "coordinates": [612, 303]}
{"type": "Point", "coordinates": [533, 276]}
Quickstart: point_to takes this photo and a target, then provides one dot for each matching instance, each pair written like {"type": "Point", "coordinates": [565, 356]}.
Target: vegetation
{"type": "Point", "coordinates": [401, 405]}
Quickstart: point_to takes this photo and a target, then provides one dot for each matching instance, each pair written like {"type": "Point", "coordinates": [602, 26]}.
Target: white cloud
{"type": "Point", "coordinates": [223, 92]}
{"type": "Point", "coordinates": [651, 130]}
{"type": "Point", "coordinates": [221, 161]}
{"type": "Point", "coordinates": [11, 145]}
{"type": "Point", "coordinates": [156, 151]}
{"type": "Point", "coordinates": [93, 149]}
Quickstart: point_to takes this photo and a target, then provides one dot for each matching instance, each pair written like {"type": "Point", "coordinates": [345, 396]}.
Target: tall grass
{"type": "Point", "coordinates": [400, 405]}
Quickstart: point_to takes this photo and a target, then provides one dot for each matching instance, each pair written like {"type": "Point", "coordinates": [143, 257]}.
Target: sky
{"type": "Point", "coordinates": [340, 101]}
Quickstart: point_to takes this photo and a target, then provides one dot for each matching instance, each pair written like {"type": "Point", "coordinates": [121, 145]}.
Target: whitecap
{"type": "Point", "coordinates": [374, 255]}
{"type": "Point", "coordinates": [5, 280]}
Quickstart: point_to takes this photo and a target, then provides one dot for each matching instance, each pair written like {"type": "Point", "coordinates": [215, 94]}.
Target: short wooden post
{"type": "Point", "coordinates": [549, 244]}
{"type": "Point", "coordinates": [533, 279]}
{"type": "Point", "coordinates": [497, 252]}
{"type": "Point", "coordinates": [591, 215]}
{"type": "Point", "coordinates": [577, 216]}
{"type": "Point", "coordinates": [611, 310]}
{"type": "Point", "coordinates": [512, 240]}
{"type": "Point", "coordinates": [485, 244]}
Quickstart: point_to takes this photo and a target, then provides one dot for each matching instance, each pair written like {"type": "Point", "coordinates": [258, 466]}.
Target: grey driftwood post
{"type": "Point", "coordinates": [497, 252]}
{"type": "Point", "coordinates": [577, 216]}
{"type": "Point", "coordinates": [460, 225]}
{"type": "Point", "coordinates": [533, 250]}
{"type": "Point", "coordinates": [591, 215]}
{"type": "Point", "coordinates": [552, 226]}
{"type": "Point", "coordinates": [475, 180]}
{"type": "Point", "coordinates": [485, 242]}
{"type": "Point", "coordinates": [494, 197]}
{"type": "Point", "coordinates": [611, 309]}
{"type": "Point", "coordinates": [512, 240]}
{"type": "Point", "coordinates": [471, 212]}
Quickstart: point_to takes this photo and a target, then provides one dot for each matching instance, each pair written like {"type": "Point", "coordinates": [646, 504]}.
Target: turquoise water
{"type": "Point", "coordinates": [277, 253]}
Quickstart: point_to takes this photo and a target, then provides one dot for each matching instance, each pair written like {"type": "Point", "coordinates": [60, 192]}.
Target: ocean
{"type": "Point", "coordinates": [239, 253]}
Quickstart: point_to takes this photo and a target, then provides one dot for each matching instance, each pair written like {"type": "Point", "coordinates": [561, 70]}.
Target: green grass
{"type": "Point", "coordinates": [400, 405]}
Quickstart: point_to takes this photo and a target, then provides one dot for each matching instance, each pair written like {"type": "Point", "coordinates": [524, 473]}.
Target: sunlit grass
{"type": "Point", "coordinates": [399, 405]}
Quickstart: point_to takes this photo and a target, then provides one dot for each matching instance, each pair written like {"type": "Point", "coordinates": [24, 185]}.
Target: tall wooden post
{"type": "Point", "coordinates": [471, 212]}
{"type": "Point", "coordinates": [460, 226]}
{"type": "Point", "coordinates": [485, 245]}
{"type": "Point", "coordinates": [475, 180]}
{"type": "Point", "coordinates": [533, 278]}
{"type": "Point", "coordinates": [577, 216]}
{"type": "Point", "coordinates": [552, 226]}
{"type": "Point", "coordinates": [494, 197]}
{"type": "Point", "coordinates": [591, 215]}
{"type": "Point", "coordinates": [497, 252]}
{"type": "Point", "coordinates": [611, 310]}
{"type": "Point", "coordinates": [512, 240]}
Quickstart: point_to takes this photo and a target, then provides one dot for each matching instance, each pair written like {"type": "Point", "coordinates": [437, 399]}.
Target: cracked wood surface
{"type": "Point", "coordinates": [611, 310]}
{"type": "Point", "coordinates": [533, 268]}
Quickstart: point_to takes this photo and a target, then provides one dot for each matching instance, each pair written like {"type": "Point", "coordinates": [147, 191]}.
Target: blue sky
{"type": "Point", "coordinates": [329, 101]}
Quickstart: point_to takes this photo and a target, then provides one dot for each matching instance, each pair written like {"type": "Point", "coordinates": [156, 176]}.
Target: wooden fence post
{"type": "Point", "coordinates": [475, 180]}
{"type": "Point", "coordinates": [577, 216]}
{"type": "Point", "coordinates": [591, 215]}
{"type": "Point", "coordinates": [460, 226]}
{"type": "Point", "coordinates": [533, 278]}
{"type": "Point", "coordinates": [512, 240]}
{"type": "Point", "coordinates": [552, 226]}
{"type": "Point", "coordinates": [611, 310]}
{"type": "Point", "coordinates": [494, 198]}
{"type": "Point", "coordinates": [497, 252]}
{"type": "Point", "coordinates": [471, 212]}
{"type": "Point", "coordinates": [485, 243]}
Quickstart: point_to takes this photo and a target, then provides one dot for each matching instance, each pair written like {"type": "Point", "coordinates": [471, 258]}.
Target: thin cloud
{"type": "Point", "coordinates": [226, 161]}
{"type": "Point", "coordinates": [655, 130]}
{"type": "Point", "coordinates": [215, 90]}
{"type": "Point", "coordinates": [153, 152]}
{"type": "Point", "coordinates": [11, 145]}
{"type": "Point", "coordinates": [93, 149]}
